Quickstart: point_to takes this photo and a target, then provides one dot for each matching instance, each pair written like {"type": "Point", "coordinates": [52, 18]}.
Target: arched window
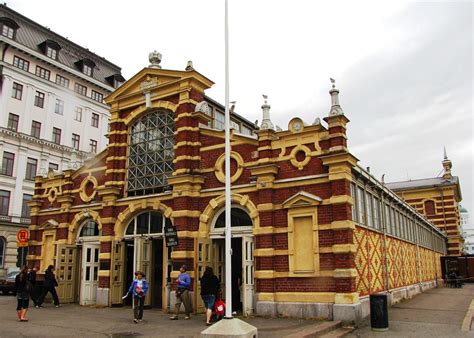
{"type": "Point", "coordinates": [238, 218]}
{"type": "Point", "coordinates": [151, 155]}
{"type": "Point", "coordinates": [147, 223]}
{"type": "Point", "coordinates": [3, 244]}
{"type": "Point", "coordinates": [430, 208]}
{"type": "Point", "coordinates": [90, 228]}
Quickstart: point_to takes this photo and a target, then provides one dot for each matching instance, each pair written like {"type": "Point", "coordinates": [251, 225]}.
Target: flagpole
{"type": "Point", "coordinates": [228, 249]}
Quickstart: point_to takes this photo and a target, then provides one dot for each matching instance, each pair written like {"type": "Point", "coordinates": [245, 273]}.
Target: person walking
{"type": "Point", "coordinates": [182, 294]}
{"type": "Point", "coordinates": [22, 294]}
{"type": "Point", "coordinates": [49, 285]}
{"type": "Point", "coordinates": [33, 285]}
{"type": "Point", "coordinates": [209, 289]}
{"type": "Point", "coordinates": [138, 289]}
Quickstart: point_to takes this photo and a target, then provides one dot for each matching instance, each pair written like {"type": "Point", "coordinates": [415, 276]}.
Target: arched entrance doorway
{"type": "Point", "coordinates": [242, 257]}
{"type": "Point", "coordinates": [89, 246]}
{"type": "Point", "coordinates": [145, 251]}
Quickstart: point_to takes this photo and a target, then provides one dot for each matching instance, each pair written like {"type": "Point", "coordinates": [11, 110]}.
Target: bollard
{"type": "Point", "coordinates": [379, 312]}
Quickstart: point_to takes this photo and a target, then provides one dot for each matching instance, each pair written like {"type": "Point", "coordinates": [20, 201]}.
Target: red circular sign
{"type": "Point", "coordinates": [22, 236]}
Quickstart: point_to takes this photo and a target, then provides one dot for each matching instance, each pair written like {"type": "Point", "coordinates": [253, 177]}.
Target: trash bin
{"type": "Point", "coordinates": [379, 312]}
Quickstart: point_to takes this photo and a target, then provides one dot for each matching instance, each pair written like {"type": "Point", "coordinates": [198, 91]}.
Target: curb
{"type": "Point", "coordinates": [316, 330]}
{"type": "Point", "coordinates": [466, 323]}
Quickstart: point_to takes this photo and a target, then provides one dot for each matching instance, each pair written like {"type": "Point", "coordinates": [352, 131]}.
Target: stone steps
{"type": "Point", "coordinates": [319, 330]}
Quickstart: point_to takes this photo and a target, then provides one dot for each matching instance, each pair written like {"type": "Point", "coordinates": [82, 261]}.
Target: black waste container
{"type": "Point", "coordinates": [379, 312]}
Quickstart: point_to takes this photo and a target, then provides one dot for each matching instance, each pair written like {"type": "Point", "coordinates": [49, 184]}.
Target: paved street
{"type": "Point", "coordinates": [74, 320]}
{"type": "Point", "coordinates": [435, 313]}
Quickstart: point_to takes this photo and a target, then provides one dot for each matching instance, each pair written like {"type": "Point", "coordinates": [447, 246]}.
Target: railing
{"type": "Point", "coordinates": [5, 218]}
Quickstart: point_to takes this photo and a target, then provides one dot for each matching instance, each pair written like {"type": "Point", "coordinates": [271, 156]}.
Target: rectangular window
{"type": "Point", "coordinates": [97, 96]}
{"type": "Point", "coordinates": [80, 89]}
{"type": "Point", "coordinates": [4, 202]}
{"type": "Point", "coordinates": [59, 108]}
{"type": "Point", "coordinates": [93, 145]}
{"type": "Point", "coordinates": [43, 73]}
{"type": "Point", "coordinates": [368, 206]}
{"type": "Point", "coordinates": [8, 31]}
{"type": "Point", "coordinates": [31, 166]}
{"type": "Point", "coordinates": [17, 91]}
{"type": "Point", "coordinates": [53, 166]}
{"type": "Point", "coordinates": [62, 81]}
{"type": "Point", "coordinates": [235, 125]}
{"type": "Point", "coordinates": [219, 120]}
{"type": "Point", "coordinates": [21, 63]}
{"type": "Point", "coordinates": [78, 115]}
{"type": "Point", "coordinates": [95, 120]}
{"type": "Point", "coordinates": [35, 129]}
{"type": "Point", "coordinates": [13, 122]}
{"type": "Point", "coordinates": [25, 209]}
{"type": "Point", "coordinates": [39, 99]}
{"type": "Point", "coordinates": [388, 225]}
{"type": "Point", "coordinates": [360, 206]}
{"type": "Point", "coordinates": [7, 163]}
{"type": "Point", "coordinates": [376, 210]}
{"type": "Point", "coordinates": [51, 53]}
{"type": "Point", "coordinates": [245, 130]}
{"type": "Point", "coordinates": [87, 70]}
{"type": "Point", "coordinates": [56, 135]}
{"type": "Point", "coordinates": [354, 202]}
{"type": "Point", "coordinates": [75, 141]}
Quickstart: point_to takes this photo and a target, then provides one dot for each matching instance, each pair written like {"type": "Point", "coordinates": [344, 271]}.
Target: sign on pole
{"type": "Point", "coordinates": [171, 235]}
{"type": "Point", "coordinates": [22, 237]}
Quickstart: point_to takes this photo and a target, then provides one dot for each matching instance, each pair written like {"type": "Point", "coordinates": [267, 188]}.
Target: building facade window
{"type": "Point", "coordinates": [53, 166]}
{"type": "Point", "coordinates": [151, 153]}
{"type": "Point", "coordinates": [31, 167]}
{"type": "Point", "coordinates": [59, 107]}
{"type": "Point", "coordinates": [97, 96]}
{"type": "Point", "coordinates": [361, 206]}
{"type": "Point", "coordinates": [39, 99]}
{"type": "Point", "coordinates": [78, 115]}
{"type": "Point", "coordinates": [4, 202]}
{"type": "Point", "coordinates": [25, 208]}
{"type": "Point", "coordinates": [95, 120]}
{"type": "Point", "coordinates": [7, 163]}
{"type": "Point", "coordinates": [35, 129]}
{"type": "Point", "coordinates": [87, 70]}
{"type": "Point", "coordinates": [430, 207]}
{"type": "Point", "coordinates": [13, 122]}
{"type": "Point", "coordinates": [42, 73]}
{"type": "Point", "coordinates": [219, 120]}
{"type": "Point", "coordinates": [17, 91]}
{"type": "Point", "coordinates": [62, 81]}
{"type": "Point", "coordinates": [21, 63]}
{"type": "Point", "coordinates": [8, 31]}
{"type": "Point", "coordinates": [3, 244]}
{"type": "Point", "coordinates": [56, 135]}
{"type": "Point", "coordinates": [93, 145]}
{"type": "Point", "coordinates": [75, 141]}
{"type": "Point", "coordinates": [51, 53]}
{"type": "Point", "coordinates": [80, 89]}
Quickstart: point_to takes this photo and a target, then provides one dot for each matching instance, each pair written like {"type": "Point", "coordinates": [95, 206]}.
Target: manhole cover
{"type": "Point", "coordinates": [124, 334]}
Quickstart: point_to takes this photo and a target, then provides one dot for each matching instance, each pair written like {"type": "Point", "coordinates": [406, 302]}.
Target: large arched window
{"type": "Point", "coordinates": [238, 218]}
{"type": "Point", "coordinates": [89, 228]}
{"type": "Point", "coordinates": [147, 223]}
{"type": "Point", "coordinates": [150, 162]}
{"type": "Point", "coordinates": [3, 244]}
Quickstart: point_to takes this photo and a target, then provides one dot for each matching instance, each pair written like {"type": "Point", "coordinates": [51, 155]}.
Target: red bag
{"type": "Point", "coordinates": [219, 307]}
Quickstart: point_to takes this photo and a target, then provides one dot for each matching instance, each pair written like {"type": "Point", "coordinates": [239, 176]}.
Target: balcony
{"type": "Point", "coordinates": [5, 218]}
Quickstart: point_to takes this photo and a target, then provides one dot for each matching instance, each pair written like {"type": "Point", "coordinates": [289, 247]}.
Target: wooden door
{"type": "Point", "coordinates": [66, 272]}
{"type": "Point", "coordinates": [247, 275]}
{"type": "Point", "coordinates": [118, 272]}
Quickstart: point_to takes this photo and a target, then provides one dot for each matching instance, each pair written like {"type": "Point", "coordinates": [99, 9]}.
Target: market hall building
{"type": "Point", "coordinates": [313, 233]}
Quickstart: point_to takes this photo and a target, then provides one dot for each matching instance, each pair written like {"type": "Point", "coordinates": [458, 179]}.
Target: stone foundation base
{"type": "Point", "coordinates": [102, 296]}
{"type": "Point", "coordinates": [353, 314]}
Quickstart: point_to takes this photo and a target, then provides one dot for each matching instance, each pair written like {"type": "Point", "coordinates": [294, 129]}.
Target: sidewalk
{"type": "Point", "coordinates": [72, 320]}
{"type": "Point", "coordinates": [434, 313]}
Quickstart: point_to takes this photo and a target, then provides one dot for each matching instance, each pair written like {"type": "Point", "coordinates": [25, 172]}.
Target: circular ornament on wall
{"type": "Point", "coordinates": [300, 156]}
{"type": "Point", "coordinates": [220, 170]}
{"type": "Point", "coordinates": [88, 189]}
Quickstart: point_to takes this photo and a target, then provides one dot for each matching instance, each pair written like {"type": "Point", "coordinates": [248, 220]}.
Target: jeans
{"type": "Point", "coordinates": [138, 303]}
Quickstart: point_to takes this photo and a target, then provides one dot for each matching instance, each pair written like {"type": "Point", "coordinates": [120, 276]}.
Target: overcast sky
{"type": "Point", "coordinates": [404, 68]}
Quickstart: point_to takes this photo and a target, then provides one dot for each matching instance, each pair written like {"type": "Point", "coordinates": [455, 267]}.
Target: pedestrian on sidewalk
{"type": "Point", "coordinates": [22, 294]}
{"type": "Point", "coordinates": [138, 290]}
{"type": "Point", "coordinates": [34, 294]}
{"type": "Point", "coordinates": [49, 285]}
{"type": "Point", "coordinates": [209, 289]}
{"type": "Point", "coordinates": [182, 294]}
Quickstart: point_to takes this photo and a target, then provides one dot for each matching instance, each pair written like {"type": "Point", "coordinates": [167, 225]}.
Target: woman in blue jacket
{"type": "Point", "coordinates": [138, 289]}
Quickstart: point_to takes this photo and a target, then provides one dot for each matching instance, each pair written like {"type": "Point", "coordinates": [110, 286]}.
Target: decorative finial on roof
{"type": "Point", "coordinates": [445, 153]}
{"type": "Point", "coordinates": [447, 165]}
{"type": "Point", "coordinates": [266, 122]}
{"type": "Point", "coordinates": [189, 66]}
{"type": "Point", "coordinates": [335, 107]}
{"type": "Point", "coordinates": [155, 60]}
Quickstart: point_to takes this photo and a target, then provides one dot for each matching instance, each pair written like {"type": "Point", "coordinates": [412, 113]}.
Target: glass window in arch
{"type": "Point", "coordinates": [147, 223]}
{"type": "Point", "coordinates": [90, 228]}
{"type": "Point", "coordinates": [151, 153]}
{"type": "Point", "coordinates": [239, 218]}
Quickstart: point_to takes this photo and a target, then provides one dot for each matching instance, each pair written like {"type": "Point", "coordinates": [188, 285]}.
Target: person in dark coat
{"type": "Point", "coordinates": [33, 286]}
{"type": "Point", "coordinates": [49, 285]}
{"type": "Point", "coordinates": [22, 294]}
{"type": "Point", "coordinates": [209, 288]}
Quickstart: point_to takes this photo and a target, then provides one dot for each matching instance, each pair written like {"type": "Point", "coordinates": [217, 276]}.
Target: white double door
{"type": "Point", "coordinates": [89, 273]}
